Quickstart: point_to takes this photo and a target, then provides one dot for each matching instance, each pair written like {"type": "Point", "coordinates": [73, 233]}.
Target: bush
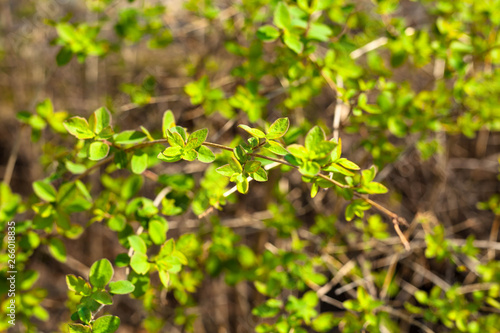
{"type": "Point", "coordinates": [322, 166]}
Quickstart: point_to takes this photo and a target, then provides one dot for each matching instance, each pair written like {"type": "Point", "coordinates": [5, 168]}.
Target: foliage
{"type": "Point", "coordinates": [283, 56]}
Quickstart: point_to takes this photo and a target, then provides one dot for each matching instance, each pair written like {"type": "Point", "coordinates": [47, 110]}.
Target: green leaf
{"type": "Point", "coordinates": [267, 33]}
{"type": "Point", "coordinates": [205, 155]}
{"type": "Point", "coordinates": [172, 151]}
{"type": "Point", "coordinates": [137, 243]}
{"type": "Point", "coordinates": [322, 149]}
{"type": "Point", "coordinates": [121, 287]}
{"type": "Point", "coordinates": [157, 232]}
{"type": "Point", "coordinates": [101, 273]}
{"type": "Point", "coordinates": [293, 42]}
{"type": "Point", "coordinates": [168, 122]}
{"type": "Point", "coordinates": [129, 137]}
{"type": "Point", "coordinates": [253, 131]}
{"type": "Point", "coordinates": [181, 131]}
{"type": "Point", "coordinates": [98, 150]}
{"type": "Point", "coordinates": [278, 128]}
{"type": "Point", "coordinates": [314, 137]}
{"type": "Point", "coordinates": [276, 148]}
{"type": "Point", "coordinates": [168, 159]}
{"type": "Point", "coordinates": [337, 152]}
{"type": "Point", "coordinates": [78, 127]}
{"type": "Point", "coordinates": [175, 139]}
{"type": "Point", "coordinates": [99, 120]}
{"type": "Point", "coordinates": [131, 186]}
{"type": "Point", "coordinates": [325, 322]}
{"type": "Point", "coordinates": [282, 17]}
{"type": "Point", "coordinates": [57, 249]}
{"type": "Point", "coordinates": [102, 297]}
{"type": "Point", "coordinates": [164, 278]}
{"type": "Point", "coordinates": [117, 222]}
{"type": "Point", "coordinates": [225, 170]}
{"type": "Point", "coordinates": [106, 324]}
{"type": "Point", "coordinates": [189, 155]}
{"type": "Point", "coordinates": [242, 184]}
{"type": "Point", "coordinates": [260, 175]}
{"type": "Point", "coordinates": [45, 108]}
{"type": "Point", "coordinates": [310, 168]}
{"type": "Point", "coordinates": [84, 313]}
{"type": "Point", "coordinates": [373, 188]}
{"type": "Point", "coordinates": [75, 168]}
{"type": "Point", "coordinates": [235, 165]}
{"type": "Point", "coordinates": [297, 151]}
{"type": "Point", "coordinates": [78, 285]}
{"type": "Point", "coordinates": [197, 138]}
{"type": "Point", "coordinates": [78, 328]}
{"type": "Point", "coordinates": [348, 164]}
{"type": "Point", "coordinates": [64, 56]}
{"type": "Point", "coordinates": [319, 31]}
{"type": "Point", "coordinates": [139, 263]}
{"type": "Point", "coordinates": [252, 166]}
{"type": "Point", "coordinates": [45, 191]}
{"type": "Point", "coordinates": [368, 175]}
{"type": "Point", "coordinates": [139, 162]}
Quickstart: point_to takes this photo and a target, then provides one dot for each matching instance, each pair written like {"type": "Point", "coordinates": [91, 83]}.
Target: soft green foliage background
{"type": "Point", "coordinates": [252, 166]}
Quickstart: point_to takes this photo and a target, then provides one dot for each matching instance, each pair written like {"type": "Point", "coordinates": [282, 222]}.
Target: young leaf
{"type": "Point", "coordinates": [100, 273]}
{"type": "Point", "coordinates": [57, 249]}
{"type": "Point", "coordinates": [78, 127]}
{"type": "Point", "coordinates": [175, 139]}
{"type": "Point", "coordinates": [205, 155]}
{"type": "Point", "coordinates": [139, 263]}
{"type": "Point", "coordinates": [314, 137]}
{"type": "Point", "coordinates": [106, 324]}
{"type": "Point", "coordinates": [242, 184]}
{"type": "Point", "coordinates": [293, 42]}
{"type": "Point", "coordinates": [252, 166]}
{"type": "Point", "coordinates": [172, 151]}
{"type": "Point", "coordinates": [259, 175]}
{"type": "Point", "coordinates": [168, 122]}
{"type": "Point", "coordinates": [310, 168]}
{"type": "Point", "coordinates": [298, 151]}
{"type": "Point", "coordinates": [121, 287]}
{"type": "Point", "coordinates": [235, 165]}
{"type": "Point", "coordinates": [225, 170]}
{"type": "Point", "coordinates": [137, 243]}
{"type": "Point", "coordinates": [157, 232]}
{"type": "Point", "coordinates": [348, 164]}
{"type": "Point", "coordinates": [164, 278]}
{"type": "Point", "coordinates": [169, 159]}
{"type": "Point", "coordinates": [181, 131]}
{"type": "Point", "coordinates": [45, 191]}
{"type": "Point", "coordinates": [98, 150]}
{"type": "Point", "coordinates": [129, 137]}
{"type": "Point", "coordinates": [189, 155]}
{"type": "Point", "coordinates": [337, 152]}
{"type": "Point", "coordinates": [278, 128]}
{"type": "Point", "coordinates": [197, 138]}
{"type": "Point", "coordinates": [99, 120]}
{"type": "Point", "coordinates": [282, 17]}
{"type": "Point", "coordinates": [139, 162]}
{"type": "Point", "coordinates": [78, 328]}
{"type": "Point", "coordinates": [267, 33]}
{"type": "Point", "coordinates": [253, 131]}
{"type": "Point", "coordinates": [102, 297]}
{"type": "Point", "coordinates": [276, 148]}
